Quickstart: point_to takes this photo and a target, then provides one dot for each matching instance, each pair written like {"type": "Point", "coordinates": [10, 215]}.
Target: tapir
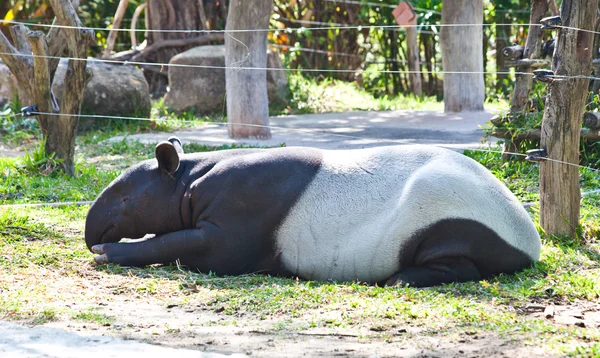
{"type": "Point", "coordinates": [396, 215]}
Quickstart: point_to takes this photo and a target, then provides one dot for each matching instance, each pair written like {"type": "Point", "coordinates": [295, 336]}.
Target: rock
{"type": "Point", "coordinates": [203, 89]}
{"type": "Point", "coordinates": [276, 80]}
{"type": "Point", "coordinates": [114, 90]}
{"type": "Point", "coordinates": [200, 89]}
{"type": "Point", "coordinates": [549, 312]}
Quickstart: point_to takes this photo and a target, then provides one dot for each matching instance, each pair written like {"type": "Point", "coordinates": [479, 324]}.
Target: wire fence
{"type": "Point", "coordinates": [289, 29]}
{"type": "Point", "coordinates": [241, 67]}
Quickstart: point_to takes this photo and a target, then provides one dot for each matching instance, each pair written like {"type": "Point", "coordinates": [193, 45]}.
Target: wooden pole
{"type": "Point", "coordinates": [559, 183]}
{"type": "Point", "coordinates": [247, 100]}
{"type": "Point", "coordinates": [462, 51]}
{"type": "Point", "coordinates": [414, 65]}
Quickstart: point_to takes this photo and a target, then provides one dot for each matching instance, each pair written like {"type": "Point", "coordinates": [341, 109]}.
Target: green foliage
{"type": "Point", "coordinates": [21, 228]}
{"type": "Point", "coordinates": [328, 95]}
{"type": "Point", "coordinates": [520, 123]}
{"type": "Point", "coordinates": [18, 185]}
{"type": "Point", "coordinates": [521, 177]}
{"type": "Point", "coordinates": [91, 316]}
{"type": "Point", "coordinates": [39, 161]}
{"type": "Point", "coordinates": [581, 351]}
{"type": "Point", "coordinates": [15, 129]}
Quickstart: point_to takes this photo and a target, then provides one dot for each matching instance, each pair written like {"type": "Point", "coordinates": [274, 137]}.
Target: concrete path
{"type": "Point", "coordinates": [349, 130]}
{"type": "Point", "coordinates": [21, 342]}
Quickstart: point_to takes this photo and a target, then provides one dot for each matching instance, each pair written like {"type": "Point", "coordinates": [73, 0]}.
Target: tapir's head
{"type": "Point", "coordinates": [137, 202]}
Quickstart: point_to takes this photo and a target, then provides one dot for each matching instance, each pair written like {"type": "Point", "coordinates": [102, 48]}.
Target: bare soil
{"type": "Point", "coordinates": [204, 329]}
{"type": "Point", "coordinates": [10, 152]}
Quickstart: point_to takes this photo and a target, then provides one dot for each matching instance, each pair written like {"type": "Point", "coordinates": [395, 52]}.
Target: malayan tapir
{"type": "Point", "coordinates": [409, 215]}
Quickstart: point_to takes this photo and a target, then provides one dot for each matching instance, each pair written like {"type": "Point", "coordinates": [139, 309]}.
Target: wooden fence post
{"type": "Point", "coordinates": [560, 135]}
{"type": "Point", "coordinates": [414, 65]}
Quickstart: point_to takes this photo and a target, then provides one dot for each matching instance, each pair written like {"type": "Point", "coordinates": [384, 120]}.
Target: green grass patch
{"type": "Point", "coordinates": [45, 267]}
{"type": "Point", "coordinates": [312, 96]}
{"type": "Point", "coordinates": [91, 316]}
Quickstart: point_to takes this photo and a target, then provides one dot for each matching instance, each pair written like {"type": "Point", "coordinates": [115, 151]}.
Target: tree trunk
{"type": "Point", "coordinates": [429, 50]}
{"type": "Point", "coordinates": [462, 52]}
{"type": "Point", "coordinates": [559, 183]}
{"type": "Point", "coordinates": [414, 64]}
{"type": "Point", "coordinates": [533, 49]}
{"type": "Point", "coordinates": [168, 15]}
{"type": "Point", "coordinates": [35, 76]}
{"type": "Point", "coordinates": [501, 35]}
{"type": "Point", "coordinates": [247, 101]}
{"type": "Point", "coordinates": [524, 82]}
{"type": "Point", "coordinates": [112, 35]}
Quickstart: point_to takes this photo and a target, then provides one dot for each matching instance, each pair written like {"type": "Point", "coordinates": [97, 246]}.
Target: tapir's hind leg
{"type": "Point", "coordinates": [450, 269]}
{"type": "Point", "coordinates": [456, 250]}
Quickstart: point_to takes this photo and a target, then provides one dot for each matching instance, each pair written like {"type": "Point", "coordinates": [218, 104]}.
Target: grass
{"type": "Point", "coordinates": [46, 272]}
{"type": "Point", "coordinates": [311, 96]}
{"type": "Point", "coordinates": [44, 265]}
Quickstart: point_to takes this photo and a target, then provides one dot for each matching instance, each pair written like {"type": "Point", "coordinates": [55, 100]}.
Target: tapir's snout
{"type": "Point", "coordinates": [97, 229]}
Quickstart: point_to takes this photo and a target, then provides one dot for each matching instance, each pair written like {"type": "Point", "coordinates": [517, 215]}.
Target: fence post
{"type": "Point", "coordinates": [560, 135]}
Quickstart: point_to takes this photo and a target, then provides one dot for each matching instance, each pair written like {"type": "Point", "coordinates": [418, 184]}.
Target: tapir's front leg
{"type": "Point", "coordinates": [162, 249]}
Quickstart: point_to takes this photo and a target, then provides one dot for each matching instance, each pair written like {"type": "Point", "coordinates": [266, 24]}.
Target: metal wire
{"type": "Point", "coordinates": [325, 133]}
{"type": "Point", "coordinates": [299, 29]}
{"type": "Point", "coordinates": [357, 71]}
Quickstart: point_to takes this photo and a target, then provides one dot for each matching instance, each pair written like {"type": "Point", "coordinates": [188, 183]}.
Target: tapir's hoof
{"type": "Point", "coordinates": [101, 259]}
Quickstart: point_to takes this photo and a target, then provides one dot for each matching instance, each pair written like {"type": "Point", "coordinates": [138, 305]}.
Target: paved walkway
{"type": "Point", "coordinates": [22, 342]}
{"type": "Point", "coordinates": [350, 130]}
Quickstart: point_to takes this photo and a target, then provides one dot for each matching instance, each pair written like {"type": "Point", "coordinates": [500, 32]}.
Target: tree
{"type": "Point", "coordinates": [177, 15]}
{"type": "Point", "coordinates": [560, 195]}
{"type": "Point", "coordinates": [462, 51]}
{"type": "Point", "coordinates": [246, 60]}
{"type": "Point", "coordinates": [59, 118]}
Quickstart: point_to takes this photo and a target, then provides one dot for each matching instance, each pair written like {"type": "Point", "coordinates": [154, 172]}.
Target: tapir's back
{"type": "Point", "coordinates": [359, 217]}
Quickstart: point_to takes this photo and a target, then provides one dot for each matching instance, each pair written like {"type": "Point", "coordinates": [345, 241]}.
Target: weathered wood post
{"type": "Point", "coordinates": [245, 76]}
{"type": "Point", "coordinates": [462, 51]}
{"type": "Point", "coordinates": [560, 135]}
{"type": "Point", "coordinates": [414, 65]}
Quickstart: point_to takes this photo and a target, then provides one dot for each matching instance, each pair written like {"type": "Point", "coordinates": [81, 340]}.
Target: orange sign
{"type": "Point", "coordinates": [405, 14]}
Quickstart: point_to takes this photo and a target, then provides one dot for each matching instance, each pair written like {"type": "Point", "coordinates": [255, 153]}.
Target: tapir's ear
{"type": "Point", "coordinates": [167, 156]}
{"type": "Point", "coordinates": [176, 143]}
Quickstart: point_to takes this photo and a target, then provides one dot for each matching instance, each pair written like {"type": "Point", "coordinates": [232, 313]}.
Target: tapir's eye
{"type": "Point", "coordinates": [125, 199]}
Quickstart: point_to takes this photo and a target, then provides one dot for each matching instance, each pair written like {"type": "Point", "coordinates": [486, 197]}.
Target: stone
{"type": "Point", "coordinates": [276, 80]}
{"type": "Point", "coordinates": [193, 88]}
{"type": "Point", "coordinates": [203, 89]}
{"type": "Point", "coordinates": [114, 90]}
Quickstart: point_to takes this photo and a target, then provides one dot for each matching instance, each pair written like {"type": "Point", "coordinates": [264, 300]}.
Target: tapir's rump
{"type": "Point", "coordinates": [364, 208]}
{"type": "Point", "coordinates": [401, 214]}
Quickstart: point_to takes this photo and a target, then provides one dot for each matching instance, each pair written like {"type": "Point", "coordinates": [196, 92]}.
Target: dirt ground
{"type": "Point", "coordinates": [10, 152]}
{"type": "Point", "coordinates": [206, 329]}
